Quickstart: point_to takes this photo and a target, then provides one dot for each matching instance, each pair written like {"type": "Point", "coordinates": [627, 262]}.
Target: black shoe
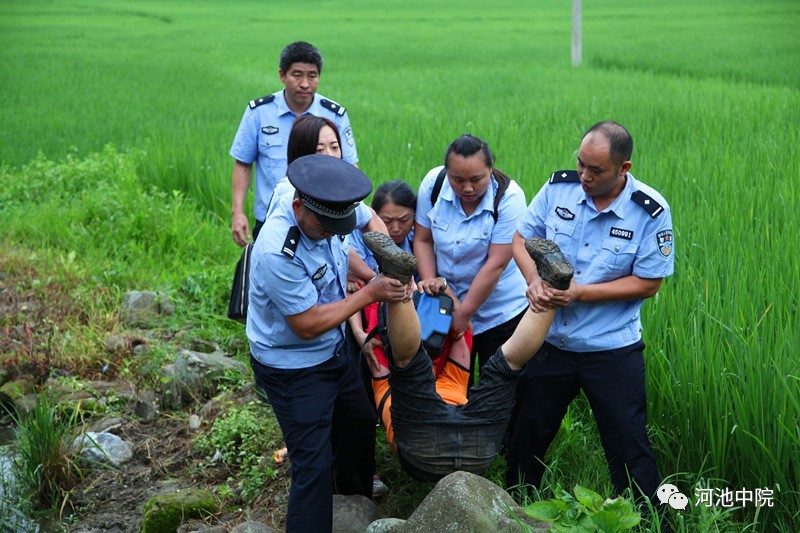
{"type": "Point", "coordinates": [553, 267]}
{"type": "Point", "coordinates": [393, 261]}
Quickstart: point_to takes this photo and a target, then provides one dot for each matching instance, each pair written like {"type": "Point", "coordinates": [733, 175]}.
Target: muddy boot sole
{"type": "Point", "coordinates": [393, 261]}
{"type": "Point", "coordinates": [553, 267]}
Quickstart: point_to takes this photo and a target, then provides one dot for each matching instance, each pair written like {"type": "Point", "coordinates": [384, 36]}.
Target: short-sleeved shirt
{"type": "Point", "coordinates": [461, 245]}
{"type": "Point", "coordinates": [285, 283]}
{"type": "Point", "coordinates": [263, 135]}
{"type": "Point", "coordinates": [622, 240]}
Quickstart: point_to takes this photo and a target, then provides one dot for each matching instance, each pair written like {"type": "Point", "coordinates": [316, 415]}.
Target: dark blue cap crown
{"type": "Point", "coordinates": [331, 188]}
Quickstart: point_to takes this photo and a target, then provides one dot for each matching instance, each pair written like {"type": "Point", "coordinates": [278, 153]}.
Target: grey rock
{"type": "Point", "coordinates": [197, 376]}
{"type": "Point", "coordinates": [141, 307]}
{"type": "Point", "coordinates": [147, 405]}
{"type": "Point", "coordinates": [194, 422]}
{"type": "Point", "coordinates": [386, 525]}
{"type": "Point", "coordinates": [115, 344]}
{"type": "Point", "coordinates": [104, 448]}
{"type": "Point", "coordinates": [352, 514]}
{"type": "Point", "coordinates": [466, 502]}
{"type": "Point", "coordinates": [106, 424]}
{"type": "Point", "coordinates": [252, 527]}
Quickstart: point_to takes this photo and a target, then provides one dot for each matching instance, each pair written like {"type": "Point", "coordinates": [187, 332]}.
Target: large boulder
{"type": "Point", "coordinates": [466, 502]}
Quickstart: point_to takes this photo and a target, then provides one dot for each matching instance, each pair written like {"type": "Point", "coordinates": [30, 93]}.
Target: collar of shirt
{"type": "Point", "coordinates": [620, 204]}
{"type": "Point", "coordinates": [283, 107]}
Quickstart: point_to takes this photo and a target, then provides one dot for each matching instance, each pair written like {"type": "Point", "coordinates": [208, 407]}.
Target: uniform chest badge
{"type": "Point", "coordinates": [269, 130]}
{"type": "Point", "coordinates": [565, 213]}
{"type": "Point", "coordinates": [664, 240]}
{"type": "Point", "coordinates": [621, 233]}
{"type": "Point", "coordinates": [319, 273]}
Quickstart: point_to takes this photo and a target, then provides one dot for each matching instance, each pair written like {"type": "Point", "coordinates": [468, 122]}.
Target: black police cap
{"type": "Point", "coordinates": [331, 188]}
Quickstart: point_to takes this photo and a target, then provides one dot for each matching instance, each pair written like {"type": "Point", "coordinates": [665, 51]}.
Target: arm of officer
{"type": "Point", "coordinates": [240, 183]}
{"type": "Point", "coordinates": [482, 286]}
{"type": "Point", "coordinates": [426, 260]}
{"type": "Point", "coordinates": [625, 288]}
{"type": "Point", "coordinates": [358, 273]}
{"type": "Point", "coordinates": [320, 318]}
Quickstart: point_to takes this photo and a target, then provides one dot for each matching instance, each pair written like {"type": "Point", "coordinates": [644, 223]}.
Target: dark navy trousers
{"type": "Point", "coordinates": [614, 383]}
{"type": "Point", "coordinates": [329, 427]}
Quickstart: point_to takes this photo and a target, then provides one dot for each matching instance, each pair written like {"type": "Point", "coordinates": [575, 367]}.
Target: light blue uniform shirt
{"type": "Point", "coordinates": [622, 240]}
{"type": "Point", "coordinates": [461, 245]}
{"type": "Point", "coordinates": [281, 285]}
{"type": "Point", "coordinates": [264, 133]}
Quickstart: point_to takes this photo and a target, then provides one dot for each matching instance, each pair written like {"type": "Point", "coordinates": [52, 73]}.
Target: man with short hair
{"type": "Point", "coordinates": [299, 352]}
{"type": "Point", "coordinates": [264, 132]}
{"type": "Point", "coordinates": [617, 233]}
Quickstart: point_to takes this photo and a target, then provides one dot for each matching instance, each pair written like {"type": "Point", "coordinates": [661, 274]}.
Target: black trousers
{"type": "Point", "coordinates": [614, 383]}
{"type": "Point", "coordinates": [329, 427]}
{"type": "Point", "coordinates": [484, 345]}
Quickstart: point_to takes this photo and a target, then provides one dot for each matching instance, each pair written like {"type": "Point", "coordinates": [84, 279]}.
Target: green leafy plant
{"type": "Point", "coordinates": [245, 438]}
{"type": "Point", "coordinates": [586, 511]}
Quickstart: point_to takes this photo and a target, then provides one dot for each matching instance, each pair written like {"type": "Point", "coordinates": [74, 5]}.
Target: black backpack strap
{"type": "Point", "coordinates": [437, 186]}
{"type": "Point", "coordinates": [501, 189]}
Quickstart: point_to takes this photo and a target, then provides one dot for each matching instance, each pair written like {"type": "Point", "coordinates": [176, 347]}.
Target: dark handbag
{"type": "Point", "coordinates": [240, 289]}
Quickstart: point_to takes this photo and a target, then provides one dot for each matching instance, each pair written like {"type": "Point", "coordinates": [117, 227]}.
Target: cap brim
{"type": "Point", "coordinates": [340, 226]}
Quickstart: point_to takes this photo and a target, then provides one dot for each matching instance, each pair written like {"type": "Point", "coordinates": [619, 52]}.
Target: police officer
{"type": "Point", "coordinates": [264, 132]}
{"type": "Point", "coordinates": [297, 342]}
{"type": "Point", "coordinates": [617, 232]}
{"type": "Point", "coordinates": [462, 239]}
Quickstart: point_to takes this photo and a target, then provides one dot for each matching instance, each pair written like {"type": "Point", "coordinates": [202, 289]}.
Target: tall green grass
{"type": "Point", "coordinates": [710, 92]}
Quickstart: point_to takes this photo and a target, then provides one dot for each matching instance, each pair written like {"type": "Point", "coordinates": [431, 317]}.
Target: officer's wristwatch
{"type": "Point", "coordinates": [444, 282]}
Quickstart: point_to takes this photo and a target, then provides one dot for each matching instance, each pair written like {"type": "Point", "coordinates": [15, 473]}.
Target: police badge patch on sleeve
{"type": "Point", "coordinates": [348, 135]}
{"type": "Point", "coordinates": [320, 272]}
{"type": "Point", "coordinates": [664, 240]}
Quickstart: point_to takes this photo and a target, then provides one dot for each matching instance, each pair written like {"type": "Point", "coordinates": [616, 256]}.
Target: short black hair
{"type": "Point", "coordinates": [396, 192]}
{"type": "Point", "coordinates": [620, 142]}
{"type": "Point", "coordinates": [300, 52]}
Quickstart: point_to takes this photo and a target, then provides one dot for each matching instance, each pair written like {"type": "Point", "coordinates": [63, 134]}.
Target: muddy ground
{"type": "Point", "coordinates": [32, 312]}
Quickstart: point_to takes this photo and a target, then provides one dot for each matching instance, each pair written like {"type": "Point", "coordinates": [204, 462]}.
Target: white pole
{"type": "Point", "coordinates": [576, 33]}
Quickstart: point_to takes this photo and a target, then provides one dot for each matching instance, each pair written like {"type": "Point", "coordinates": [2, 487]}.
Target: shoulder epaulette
{"type": "Point", "coordinates": [333, 106]}
{"type": "Point", "coordinates": [261, 101]}
{"type": "Point", "coordinates": [291, 242]}
{"type": "Point", "coordinates": [565, 176]}
{"type": "Point", "coordinates": [652, 207]}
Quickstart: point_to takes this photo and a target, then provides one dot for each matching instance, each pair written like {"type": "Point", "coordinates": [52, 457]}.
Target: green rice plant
{"type": "Point", "coordinates": [709, 91]}
{"type": "Point", "coordinates": [47, 464]}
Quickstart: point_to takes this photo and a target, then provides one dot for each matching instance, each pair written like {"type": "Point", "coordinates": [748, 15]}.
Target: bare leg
{"type": "Point", "coordinates": [404, 331]}
{"type": "Point", "coordinates": [527, 338]}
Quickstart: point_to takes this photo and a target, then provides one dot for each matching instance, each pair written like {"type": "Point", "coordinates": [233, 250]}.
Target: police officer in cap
{"type": "Point", "coordinates": [295, 326]}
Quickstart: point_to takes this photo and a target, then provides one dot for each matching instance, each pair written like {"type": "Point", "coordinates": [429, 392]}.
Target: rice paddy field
{"type": "Point", "coordinates": [709, 90]}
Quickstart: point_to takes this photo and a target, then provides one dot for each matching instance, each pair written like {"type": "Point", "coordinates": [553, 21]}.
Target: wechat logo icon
{"type": "Point", "coordinates": [670, 495]}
